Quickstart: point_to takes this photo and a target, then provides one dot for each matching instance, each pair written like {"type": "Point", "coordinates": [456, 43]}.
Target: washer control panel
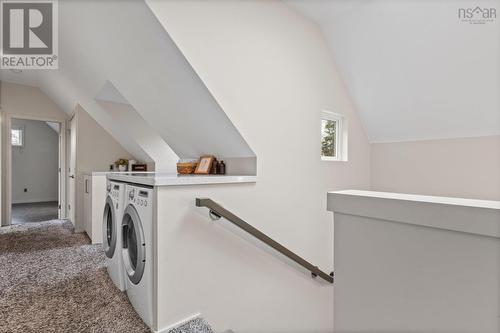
{"type": "Point", "coordinates": [139, 197]}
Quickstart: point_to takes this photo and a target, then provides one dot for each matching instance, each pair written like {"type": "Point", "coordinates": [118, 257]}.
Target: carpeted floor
{"type": "Point", "coordinates": [53, 280]}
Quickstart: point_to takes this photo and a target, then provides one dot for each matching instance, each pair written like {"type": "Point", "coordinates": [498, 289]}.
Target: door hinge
{"type": "Point", "coordinates": [69, 207]}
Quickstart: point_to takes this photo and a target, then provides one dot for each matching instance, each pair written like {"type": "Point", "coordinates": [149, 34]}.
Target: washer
{"type": "Point", "coordinates": [137, 251]}
{"type": "Point", "coordinates": [111, 231]}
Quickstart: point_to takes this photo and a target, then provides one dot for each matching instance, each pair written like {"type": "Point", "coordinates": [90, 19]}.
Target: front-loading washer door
{"type": "Point", "coordinates": [134, 245]}
{"type": "Point", "coordinates": [109, 228]}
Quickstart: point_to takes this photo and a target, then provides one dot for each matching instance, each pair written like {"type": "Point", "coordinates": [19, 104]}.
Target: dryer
{"type": "Point", "coordinates": [138, 251]}
{"type": "Point", "coordinates": [111, 230]}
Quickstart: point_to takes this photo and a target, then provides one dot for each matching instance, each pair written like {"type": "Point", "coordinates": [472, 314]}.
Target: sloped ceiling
{"type": "Point", "coordinates": [122, 42]}
{"type": "Point", "coordinates": [27, 78]}
{"type": "Point", "coordinates": [134, 125]}
{"type": "Point", "coordinates": [54, 126]}
{"type": "Point", "coordinates": [414, 70]}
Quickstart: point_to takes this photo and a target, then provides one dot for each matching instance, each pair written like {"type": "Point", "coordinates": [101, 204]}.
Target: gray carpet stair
{"type": "Point", "coordinates": [197, 325]}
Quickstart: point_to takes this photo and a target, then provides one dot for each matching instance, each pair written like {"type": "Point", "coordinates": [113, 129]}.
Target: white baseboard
{"type": "Point", "coordinates": [179, 323]}
{"type": "Point", "coordinates": [34, 201]}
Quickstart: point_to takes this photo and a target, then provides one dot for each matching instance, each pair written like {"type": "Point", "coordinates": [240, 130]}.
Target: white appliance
{"type": "Point", "coordinates": [111, 231]}
{"type": "Point", "coordinates": [137, 251]}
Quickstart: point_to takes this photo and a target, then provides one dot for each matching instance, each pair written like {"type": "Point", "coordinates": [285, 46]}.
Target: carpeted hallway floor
{"type": "Point", "coordinates": [53, 280]}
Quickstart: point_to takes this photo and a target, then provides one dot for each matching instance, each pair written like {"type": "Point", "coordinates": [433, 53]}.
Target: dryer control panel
{"type": "Point", "coordinates": [115, 192]}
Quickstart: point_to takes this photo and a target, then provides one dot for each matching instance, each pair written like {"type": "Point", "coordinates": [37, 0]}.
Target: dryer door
{"type": "Point", "coordinates": [109, 228]}
{"type": "Point", "coordinates": [134, 245]}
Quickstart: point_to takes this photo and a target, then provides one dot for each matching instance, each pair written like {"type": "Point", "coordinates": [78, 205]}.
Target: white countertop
{"type": "Point", "coordinates": [105, 173]}
{"type": "Point", "coordinates": [480, 217]}
{"type": "Point", "coordinates": [165, 179]}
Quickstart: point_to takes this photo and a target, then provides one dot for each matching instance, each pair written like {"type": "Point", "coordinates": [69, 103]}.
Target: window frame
{"type": "Point", "coordinates": [340, 135]}
{"type": "Point", "coordinates": [22, 136]}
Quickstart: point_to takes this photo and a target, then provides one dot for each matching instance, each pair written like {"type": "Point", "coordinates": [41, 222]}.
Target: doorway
{"type": "Point", "coordinates": [8, 135]}
{"type": "Point", "coordinates": [35, 155]}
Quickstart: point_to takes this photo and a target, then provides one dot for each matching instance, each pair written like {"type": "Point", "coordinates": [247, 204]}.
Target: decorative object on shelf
{"type": "Point", "coordinates": [204, 165]}
{"type": "Point", "coordinates": [122, 164]}
{"type": "Point", "coordinates": [139, 167]}
{"type": "Point", "coordinates": [221, 169]}
{"type": "Point", "coordinates": [131, 163]}
{"type": "Point", "coordinates": [185, 167]}
{"type": "Point", "coordinates": [214, 167]}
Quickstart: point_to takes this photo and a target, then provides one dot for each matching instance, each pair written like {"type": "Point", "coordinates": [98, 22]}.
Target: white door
{"type": "Point", "coordinates": [72, 171]}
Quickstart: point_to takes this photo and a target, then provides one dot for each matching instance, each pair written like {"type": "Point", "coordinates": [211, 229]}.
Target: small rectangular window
{"type": "Point", "coordinates": [328, 138]}
{"type": "Point", "coordinates": [333, 137]}
{"type": "Point", "coordinates": [17, 137]}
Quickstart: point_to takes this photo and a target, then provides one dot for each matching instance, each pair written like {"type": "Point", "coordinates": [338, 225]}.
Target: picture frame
{"type": "Point", "coordinates": [140, 167]}
{"type": "Point", "coordinates": [204, 165]}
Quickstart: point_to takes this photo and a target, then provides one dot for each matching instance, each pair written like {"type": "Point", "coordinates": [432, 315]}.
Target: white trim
{"type": "Point", "coordinates": [179, 323]}
{"type": "Point", "coordinates": [421, 210]}
{"type": "Point", "coordinates": [436, 138]}
{"type": "Point", "coordinates": [62, 168]}
{"type": "Point", "coordinates": [20, 202]}
{"type": "Point", "coordinates": [71, 215]}
{"type": "Point", "coordinates": [328, 115]}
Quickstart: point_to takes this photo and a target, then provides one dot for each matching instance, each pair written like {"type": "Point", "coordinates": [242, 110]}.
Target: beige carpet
{"type": "Point", "coordinates": [52, 280]}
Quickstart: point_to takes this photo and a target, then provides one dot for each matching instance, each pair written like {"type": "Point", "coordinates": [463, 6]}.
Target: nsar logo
{"type": "Point", "coordinates": [477, 15]}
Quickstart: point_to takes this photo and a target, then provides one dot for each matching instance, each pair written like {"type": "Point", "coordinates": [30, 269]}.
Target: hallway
{"type": "Point", "coordinates": [53, 280]}
{"type": "Point", "coordinates": [34, 212]}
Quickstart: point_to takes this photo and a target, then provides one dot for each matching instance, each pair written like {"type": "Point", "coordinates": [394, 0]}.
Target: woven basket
{"type": "Point", "coordinates": [185, 168]}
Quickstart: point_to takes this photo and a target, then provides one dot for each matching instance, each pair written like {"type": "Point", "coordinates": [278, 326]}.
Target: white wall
{"type": "Point", "coordinates": [464, 167]}
{"type": "Point", "coordinates": [406, 263]}
{"type": "Point", "coordinates": [414, 69]}
{"type": "Point", "coordinates": [35, 164]}
{"type": "Point", "coordinates": [145, 65]}
{"type": "Point", "coordinates": [124, 114]}
{"type": "Point", "coordinates": [95, 151]}
{"type": "Point", "coordinates": [26, 100]}
{"type": "Point", "coordinates": [428, 94]}
{"type": "Point", "coordinates": [272, 73]}
{"type": "Point", "coordinates": [66, 93]}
